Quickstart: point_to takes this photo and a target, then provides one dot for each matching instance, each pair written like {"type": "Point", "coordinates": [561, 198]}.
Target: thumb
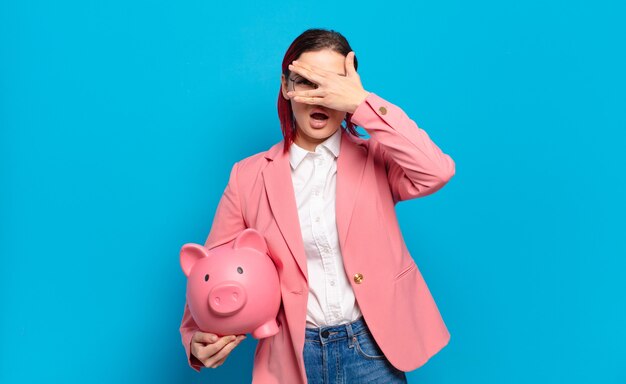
{"type": "Point", "coordinates": [350, 70]}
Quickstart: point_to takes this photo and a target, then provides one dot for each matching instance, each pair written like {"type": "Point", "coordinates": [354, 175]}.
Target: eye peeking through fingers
{"type": "Point", "coordinates": [306, 82]}
{"type": "Point", "coordinates": [302, 84]}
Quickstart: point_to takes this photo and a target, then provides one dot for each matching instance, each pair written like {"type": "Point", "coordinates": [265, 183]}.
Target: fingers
{"type": "Point", "coordinates": [203, 351]}
{"type": "Point", "coordinates": [223, 359]}
{"type": "Point", "coordinates": [220, 354]}
{"type": "Point", "coordinates": [309, 100]}
{"type": "Point", "coordinates": [334, 90]}
{"type": "Point", "coordinates": [221, 343]}
{"type": "Point", "coordinates": [219, 363]}
{"type": "Point", "coordinates": [307, 72]}
{"type": "Point", "coordinates": [313, 96]}
{"type": "Point", "coordinates": [313, 68]}
{"type": "Point", "coordinates": [213, 354]}
{"type": "Point", "coordinates": [310, 93]}
{"type": "Point", "coordinates": [350, 69]}
{"type": "Point", "coordinates": [218, 358]}
{"type": "Point", "coordinates": [203, 337]}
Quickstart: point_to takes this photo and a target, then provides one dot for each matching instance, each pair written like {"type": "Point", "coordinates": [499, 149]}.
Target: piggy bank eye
{"type": "Point", "coordinates": [206, 277]}
{"type": "Point", "coordinates": [240, 270]}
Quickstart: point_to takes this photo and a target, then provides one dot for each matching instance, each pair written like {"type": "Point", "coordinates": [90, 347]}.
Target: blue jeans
{"type": "Point", "coordinates": [346, 353]}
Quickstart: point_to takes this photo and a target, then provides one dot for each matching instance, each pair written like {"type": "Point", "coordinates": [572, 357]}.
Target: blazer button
{"type": "Point", "coordinates": [358, 278]}
{"type": "Point", "coordinates": [382, 110]}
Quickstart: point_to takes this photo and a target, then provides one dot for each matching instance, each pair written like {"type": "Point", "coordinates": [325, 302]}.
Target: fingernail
{"type": "Point", "coordinates": [295, 62]}
{"type": "Point", "coordinates": [213, 338]}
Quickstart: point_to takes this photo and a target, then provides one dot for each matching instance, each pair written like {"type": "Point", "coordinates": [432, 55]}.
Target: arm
{"type": "Point", "coordinates": [228, 222]}
{"type": "Point", "coordinates": [415, 166]}
{"type": "Point", "coordinates": [187, 328]}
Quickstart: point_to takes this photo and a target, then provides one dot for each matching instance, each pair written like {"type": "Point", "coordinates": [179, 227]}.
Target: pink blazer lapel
{"type": "Point", "coordinates": [350, 168]}
{"type": "Point", "coordinates": [282, 200]}
{"type": "Point", "coordinates": [280, 193]}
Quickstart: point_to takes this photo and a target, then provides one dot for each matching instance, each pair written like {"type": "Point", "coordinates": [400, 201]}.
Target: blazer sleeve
{"type": "Point", "coordinates": [228, 222]}
{"type": "Point", "coordinates": [187, 328]}
{"type": "Point", "coordinates": [415, 166]}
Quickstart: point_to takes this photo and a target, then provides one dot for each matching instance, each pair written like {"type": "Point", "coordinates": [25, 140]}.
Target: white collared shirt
{"type": "Point", "coordinates": [331, 299]}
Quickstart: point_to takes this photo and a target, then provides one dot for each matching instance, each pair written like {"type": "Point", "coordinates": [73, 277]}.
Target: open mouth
{"type": "Point", "coordinates": [319, 119]}
{"type": "Point", "coordinates": [319, 116]}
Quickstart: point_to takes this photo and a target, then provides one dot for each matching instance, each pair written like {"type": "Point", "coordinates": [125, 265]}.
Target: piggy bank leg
{"type": "Point", "coordinates": [266, 330]}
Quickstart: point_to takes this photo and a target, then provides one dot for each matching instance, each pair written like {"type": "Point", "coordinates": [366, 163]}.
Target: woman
{"type": "Point", "coordinates": [355, 307]}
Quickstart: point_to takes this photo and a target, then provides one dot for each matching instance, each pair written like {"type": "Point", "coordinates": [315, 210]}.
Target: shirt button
{"type": "Point", "coordinates": [317, 219]}
{"type": "Point", "coordinates": [332, 283]}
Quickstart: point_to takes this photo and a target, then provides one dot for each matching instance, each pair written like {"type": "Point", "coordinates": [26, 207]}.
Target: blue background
{"type": "Point", "coordinates": [120, 122]}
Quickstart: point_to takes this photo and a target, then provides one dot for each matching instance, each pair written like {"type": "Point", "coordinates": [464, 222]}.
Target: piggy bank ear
{"type": "Point", "coordinates": [251, 238]}
{"type": "Point", "coordinates": [190, 253]}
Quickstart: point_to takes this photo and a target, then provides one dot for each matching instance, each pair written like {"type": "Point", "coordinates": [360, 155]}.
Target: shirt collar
{"type": "Point", "coordinates": [332, 143]}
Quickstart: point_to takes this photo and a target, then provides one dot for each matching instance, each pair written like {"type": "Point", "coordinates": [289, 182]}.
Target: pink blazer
{"type": "Point", "coordinates": [398, 162]}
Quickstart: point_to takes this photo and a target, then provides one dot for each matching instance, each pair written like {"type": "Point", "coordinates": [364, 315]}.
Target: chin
{"type": "Point", "coordinates": [320, 133]}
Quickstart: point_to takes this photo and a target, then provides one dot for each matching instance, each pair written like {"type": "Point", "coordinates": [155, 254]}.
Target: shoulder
{"type": "Point", "coordinates": [368, 148]}
{"type": "Point", "coordinates": [252, 161]}
{"type": "Point", "coordinates": [358, 141]}
{"type": "Point", "coordinates": [250, 167]}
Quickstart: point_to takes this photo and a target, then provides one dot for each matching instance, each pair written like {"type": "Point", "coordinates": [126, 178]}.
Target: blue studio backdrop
{"type": "Point", "coordinates": [120, 122]}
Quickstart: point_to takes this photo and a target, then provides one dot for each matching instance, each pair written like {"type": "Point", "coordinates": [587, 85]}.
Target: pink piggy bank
{"type": "Point", "coordinates": [233, 289]}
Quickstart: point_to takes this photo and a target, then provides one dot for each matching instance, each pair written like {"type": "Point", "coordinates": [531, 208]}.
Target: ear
{"type": "Point", "coordinates": [190, 254]}
{"type": "Point", "coordinates": [283, 86]}
{"type": "Point", "coordinates": [251, 238]}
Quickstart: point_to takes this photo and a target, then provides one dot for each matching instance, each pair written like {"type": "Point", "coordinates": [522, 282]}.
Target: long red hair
{"type": "Point", "coordinates": [309, 40]}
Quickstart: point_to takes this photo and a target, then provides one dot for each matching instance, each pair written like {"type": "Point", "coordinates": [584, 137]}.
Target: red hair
{"type": "Point", "coordinates": [309, 40]}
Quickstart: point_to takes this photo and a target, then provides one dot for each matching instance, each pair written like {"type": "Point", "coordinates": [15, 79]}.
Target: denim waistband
{"type": "Point", "coordinates": [336, 332]}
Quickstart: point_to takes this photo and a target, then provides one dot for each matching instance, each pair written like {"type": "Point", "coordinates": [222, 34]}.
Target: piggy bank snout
{"type": "Point", "coordinates": [227, 298]}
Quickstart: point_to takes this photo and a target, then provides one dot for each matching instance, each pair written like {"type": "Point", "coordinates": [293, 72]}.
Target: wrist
{"type": "Point", "coordinates": [359, 99]}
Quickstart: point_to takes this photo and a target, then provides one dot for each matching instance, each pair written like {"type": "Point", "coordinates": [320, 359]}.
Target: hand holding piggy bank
{"type": "Point", "coordinates": [233, 289]}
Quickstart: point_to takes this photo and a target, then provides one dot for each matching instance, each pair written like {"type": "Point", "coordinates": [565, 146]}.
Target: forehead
{"type": "Point", "coordinates": [325, 59]}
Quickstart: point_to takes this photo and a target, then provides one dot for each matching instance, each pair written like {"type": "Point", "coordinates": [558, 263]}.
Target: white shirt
{"type": "Point", "coordinates": [331, 299]}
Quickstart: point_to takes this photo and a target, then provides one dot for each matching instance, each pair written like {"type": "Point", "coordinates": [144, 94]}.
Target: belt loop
{"type": "Point", "coordinates": [351, 337]}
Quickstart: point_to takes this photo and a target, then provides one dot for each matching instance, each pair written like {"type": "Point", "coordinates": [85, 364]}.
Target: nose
{"type": "Point", "coordinates": [227, 298]}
